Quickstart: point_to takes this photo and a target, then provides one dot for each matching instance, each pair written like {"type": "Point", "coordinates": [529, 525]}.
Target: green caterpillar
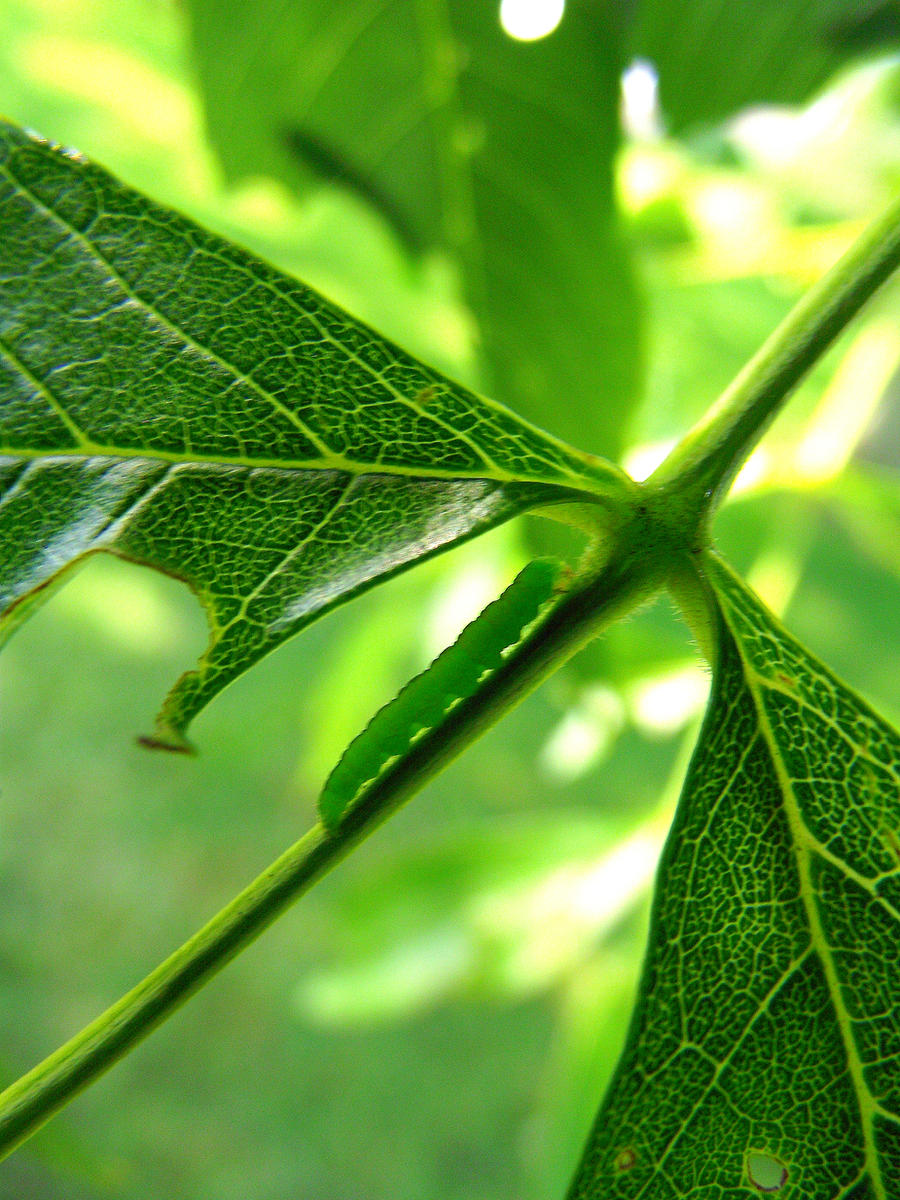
{"type": "Point", "coordinates": [429, 698]}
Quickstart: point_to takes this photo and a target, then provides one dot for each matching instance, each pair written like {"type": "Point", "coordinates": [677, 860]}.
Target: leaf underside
{"type": "Point", "coordinates": [169, 398]}
{"type": "Point", "coordinates": [764, 1055]}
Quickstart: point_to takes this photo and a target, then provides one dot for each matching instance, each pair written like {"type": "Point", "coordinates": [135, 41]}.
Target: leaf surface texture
{"type": "Point", "coordinates": [765, 1047]}
{"type": "Point", "coordinates": [168, 397]}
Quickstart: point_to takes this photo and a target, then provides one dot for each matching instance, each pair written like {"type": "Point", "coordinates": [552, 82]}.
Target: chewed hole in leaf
{"type": "Point", "coordinates": [766, 1173]}
{"type": "Point", "coordinates": [625, 1159]}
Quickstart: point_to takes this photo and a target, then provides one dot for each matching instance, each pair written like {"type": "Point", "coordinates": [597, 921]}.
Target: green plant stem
{"type": "Point", "coordinates": [629, 576]}
{"type": "Point", "coordinates": [699, 471]}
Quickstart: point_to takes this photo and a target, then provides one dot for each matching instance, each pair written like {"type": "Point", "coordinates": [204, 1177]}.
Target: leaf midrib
{"type": "Point", "coordinates": [336, 465]}
{"type": "Point", "coordinates": [441, 56]}
{"type": "Point", "coordinates": [328, 459]}
{"type": "Point", "coordinates": [720, 1065]}
{"type": "Point", "coordinates": [805, 845]}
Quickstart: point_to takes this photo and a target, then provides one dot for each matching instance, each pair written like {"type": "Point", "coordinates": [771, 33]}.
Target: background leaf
{"type": "Point", "coordinates": [868, 501]}
{"type": "Point", "coordinates": [764, 1047]}
{"type": "Point", "coordinates": [493, 151]}
{"type": "Point", "coordinates": [169, 398]}
{"type": "Point", "coordinates": [714, 59]}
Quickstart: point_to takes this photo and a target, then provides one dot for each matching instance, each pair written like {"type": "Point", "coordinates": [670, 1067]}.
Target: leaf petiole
{"type": "Point", "coordinates": [627, 578]}
{"type": "Point", "coordinates": [697, 474]}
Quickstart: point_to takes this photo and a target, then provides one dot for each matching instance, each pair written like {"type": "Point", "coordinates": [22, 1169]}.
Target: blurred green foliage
{"type": "Point", "coordinates": [493, 152]}
{"type": "Point", "coordinates": [438, 1017]}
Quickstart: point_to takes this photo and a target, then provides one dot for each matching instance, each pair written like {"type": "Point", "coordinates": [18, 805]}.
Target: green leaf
{"type": "Point", "coordinates": [866, 497]}
{"type": "Point", "coordinates": [763, 1055]}
{"type": "Point", "coordinates": [715, 58]}
{"type": "Point", "coordinates": [496, 152]}
{"type": "Point", "coordinates": [169, 398]}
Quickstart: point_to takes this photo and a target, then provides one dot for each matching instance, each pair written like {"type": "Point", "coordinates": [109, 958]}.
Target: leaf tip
{"type": "Point", "coordinates": [167, 739]}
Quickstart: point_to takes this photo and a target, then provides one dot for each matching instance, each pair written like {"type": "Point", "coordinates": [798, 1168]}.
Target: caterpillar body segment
{"type": "Point", "coordinates": [430, 698]}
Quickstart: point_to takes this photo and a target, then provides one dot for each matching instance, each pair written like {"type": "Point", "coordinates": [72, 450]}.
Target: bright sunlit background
{"type": "Point", "coordinates": [529, 20]}
{"type": "Point", "coordinates": [436, 1020]}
